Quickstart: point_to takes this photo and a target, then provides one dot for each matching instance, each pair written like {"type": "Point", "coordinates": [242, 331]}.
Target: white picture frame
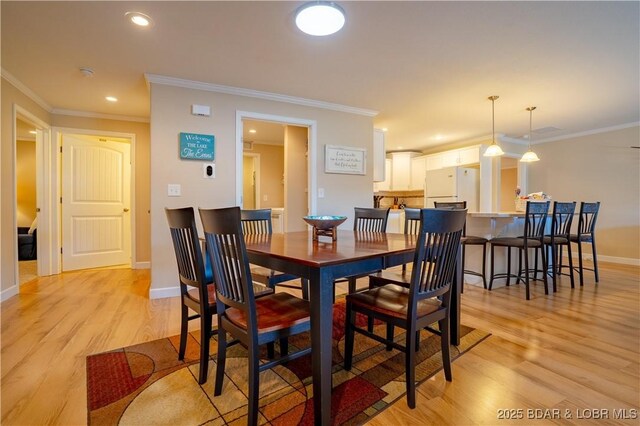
{"type": "Point", "coordinates": [345, 160]}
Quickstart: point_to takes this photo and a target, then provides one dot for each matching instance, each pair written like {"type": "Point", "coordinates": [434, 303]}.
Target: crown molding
{"type": "Point", "coordinates": [589, 132]}
{"type": "Point", "coordinates": [230, 90]}
{"type": "Point", "coordinates": [25, 90]}
{"type": "Point", "coordinates": [88, 114]}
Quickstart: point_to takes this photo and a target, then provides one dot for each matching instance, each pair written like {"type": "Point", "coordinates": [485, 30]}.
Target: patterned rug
{"type": "Point", "coordinates": [146, 384]}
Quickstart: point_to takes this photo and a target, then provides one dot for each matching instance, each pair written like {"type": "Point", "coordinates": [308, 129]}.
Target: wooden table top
{"type": "Point", "coordinates": [351, 245]}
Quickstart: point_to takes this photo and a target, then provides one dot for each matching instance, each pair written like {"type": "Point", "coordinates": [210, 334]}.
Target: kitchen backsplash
{"type": "Point", "coordinates": [412, 199]}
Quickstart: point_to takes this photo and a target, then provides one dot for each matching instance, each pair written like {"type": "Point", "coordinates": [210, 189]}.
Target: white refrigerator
{"type": "Point", "coordinates": [452, 184]}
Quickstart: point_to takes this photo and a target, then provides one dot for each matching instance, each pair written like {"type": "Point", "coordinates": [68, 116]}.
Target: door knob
{"type": "Point", "coordinates": [125, 210]}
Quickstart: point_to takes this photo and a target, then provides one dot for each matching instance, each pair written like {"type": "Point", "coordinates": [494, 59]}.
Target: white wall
{"type": "Point", "coordinates": [599, 167]}
{"type": "Point", "coordinates": [170, 115]}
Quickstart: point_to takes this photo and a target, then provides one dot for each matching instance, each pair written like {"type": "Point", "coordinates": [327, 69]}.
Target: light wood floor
{"type": "Point", "coordinates": [577, 351]}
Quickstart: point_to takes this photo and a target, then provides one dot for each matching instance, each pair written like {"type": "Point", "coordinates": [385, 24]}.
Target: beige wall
{"type": "Point", "coordinates": [600, 167]}
{"type": "Point", "coordinates": [10, 96]}
{"type": "Point", "coordinates": [142, 183]}
{"type": "Point", "coordinates": [271, 174]}
{"type": "Point", "coordinates": [26, 182]}
{"type": "Point", "coordinates": [170, 115]}
{"type": "Point", "coordinates": [296, 205]}
{"type": "Point", "coordinates": [508, 185]}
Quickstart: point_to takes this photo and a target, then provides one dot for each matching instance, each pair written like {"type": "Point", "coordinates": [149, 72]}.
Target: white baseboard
{"type": "Point", "coordinates": [161, 293]}
{"type": "Point", "coordinates": [9, 292]}
{"type": "Point", "coordinates": [142, 265]}
{"type": "Point", "coordinates": [613, 259]}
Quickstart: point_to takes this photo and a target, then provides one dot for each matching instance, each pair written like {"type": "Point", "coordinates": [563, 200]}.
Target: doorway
{"type": "Point", "coordinates": [26, 199]}
{"type": "Point", "coordinates": [290, 187]}
{"type": "Point", "coordinates": [251, 180]}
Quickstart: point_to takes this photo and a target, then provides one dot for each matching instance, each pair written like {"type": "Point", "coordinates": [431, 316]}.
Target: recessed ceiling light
{"type": "Point", "coordinates": [252, 130]}
{"type": "Point", "coordinates": [111, 98]}
{"type": "Point", "coordinates": [438, 137]}
{"type": "Point", "coordinates": [33, 132]}
{"type": "Point", "coordinates": [139, 19]}
{"type": "Point", "coordinates": [320, 18]}
{"type": "Point", "coordinates": [384, 129]}
{"type": "Point", "coordinates": [399, 146]}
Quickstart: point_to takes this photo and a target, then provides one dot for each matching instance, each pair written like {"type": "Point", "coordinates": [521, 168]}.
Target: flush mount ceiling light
{"type": "Point", "coordinates": [111, 98]}
{"type": "Point", "coordinates": [530, 156]}
{"type": "Point", "coordinates": [494, 149]}
{"type": "Point", "coordinates": [252, 130]}
{"type": "Point", "coordinates": [320, 18]}
{"type": "Point", "coordinates": [139, 19]}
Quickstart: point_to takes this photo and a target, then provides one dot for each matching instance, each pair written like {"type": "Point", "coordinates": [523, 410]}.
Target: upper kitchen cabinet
{"type": "Point", "coordinates": [418, 172]}
{"type": "Point", "coordinates": [380, 172]}
{"type": "Point", "coordinates": [454, 157]}
{"type": "Point", "coordinates": [401, 170]}
{"type": "Point", "coordinates": [385, 185]}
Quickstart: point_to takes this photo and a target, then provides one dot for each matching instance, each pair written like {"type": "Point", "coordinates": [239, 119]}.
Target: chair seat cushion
{"type": "Point", "coordinates": [556, 240]}
{"type": "Point", "coordinates": [194, 293]}
{"type": "Point", "coordinates": [274, 312]}
{"type": "Point", "coordinates": [473, 240]}
{"type": "Point", "coordinates": [585, 238]}
{"type": "Point", "coordinates": [514, 242]}
{"type": "Point", "coordinates": [392, 300]}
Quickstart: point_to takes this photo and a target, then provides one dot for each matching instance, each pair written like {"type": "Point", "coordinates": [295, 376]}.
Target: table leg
{"type": "Point", "coordinates": [321, 308]}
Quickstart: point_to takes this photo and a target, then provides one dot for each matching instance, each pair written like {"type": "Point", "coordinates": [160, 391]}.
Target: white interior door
{"type": "Point", "coordinates": [96, 218]}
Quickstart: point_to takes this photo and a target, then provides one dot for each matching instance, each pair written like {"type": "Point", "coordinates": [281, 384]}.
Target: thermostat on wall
{"type": "Point", "coordinates": [202, 110]}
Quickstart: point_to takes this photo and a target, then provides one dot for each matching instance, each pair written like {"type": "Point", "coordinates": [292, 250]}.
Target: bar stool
{"type": "Point", "coordinates": [586, 234]}
{"type": "Point", "coordinates": [468, 240]}
{"type": "Point", "coordinates": [534, 226]}
{"type": "Point", "coordinates": [561, 220]}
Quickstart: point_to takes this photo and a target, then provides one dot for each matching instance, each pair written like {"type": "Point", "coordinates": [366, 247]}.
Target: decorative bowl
{"type": "Point", "coordinates": [324, 222]}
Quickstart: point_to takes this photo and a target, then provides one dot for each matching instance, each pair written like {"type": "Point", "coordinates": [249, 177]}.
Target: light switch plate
{"type": "Point", "coordinates": [174, 190]}
{"type": "Point", "coordinates": [320, 192]}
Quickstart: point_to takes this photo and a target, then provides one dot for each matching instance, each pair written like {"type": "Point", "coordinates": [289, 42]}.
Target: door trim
{"type": "Point", "coordinates": [56, 176]}
{"type": "Point", "coordinates": [311, 157]}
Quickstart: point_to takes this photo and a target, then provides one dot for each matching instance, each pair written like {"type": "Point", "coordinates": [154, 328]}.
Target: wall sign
{"type": "Point", "coordinates": [197, 147]}
{"type": "Point", "coordinates": [344, 159]}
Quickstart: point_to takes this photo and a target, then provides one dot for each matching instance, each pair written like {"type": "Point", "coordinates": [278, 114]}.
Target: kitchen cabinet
{"type": "Point", "coordinates": [454, 157]}
{"type": "Point", "coordinates": [385, 185]}
{"type": "Point", "coordinates": [418, 170]}
{"type": "Point", "coordinates": [379, 155]}
{"type": "Point", "coordinates": [401, 170]}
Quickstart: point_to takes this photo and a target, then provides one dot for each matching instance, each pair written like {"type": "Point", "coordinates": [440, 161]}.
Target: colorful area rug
{"type": "Point", "coordinates": [146, 384]}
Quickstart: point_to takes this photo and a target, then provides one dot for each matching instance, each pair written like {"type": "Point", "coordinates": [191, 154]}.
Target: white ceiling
{"type": "Point", "coordinates": [427, 67]}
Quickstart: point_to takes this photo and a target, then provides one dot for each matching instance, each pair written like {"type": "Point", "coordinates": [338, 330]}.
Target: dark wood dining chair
{"type": "Point", "coordinates": [468, 240]}
{"type": "Point", "coordinates": [559, 237]}
{"type": "Point", "coordinates": [535, 221]}
{"type": "Point", "coordinates": [197, 291]}
{"type": "Point", "coordinates": [586, 234]}
{"type": "Point", "coordinates": [424, 302]}
{"type": "Point", "coordinates": [372, 220]}
{"type": "Point", "coordinates": [259, 222]}
{"type": "Point", "coordinates": [253, 322]}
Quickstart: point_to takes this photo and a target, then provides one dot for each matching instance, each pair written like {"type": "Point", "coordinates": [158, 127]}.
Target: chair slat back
{"type": "Point", "coordinates": [370, 219]}
{"type": "Point", "coordinates": [256, 221]}
{"type": "Point", "coordinates": [437, 248]}
{"type": "Point", "coordinates": [452, 205]}
{"type": "Point", "coordinates": [411, 221]}
{"type": "Point", "coordinates": [588, 216]}
{"type": "Point", "coordinates": [228, 255]}
{"type": "Point", "coordinates": [562, 218]}
{"type": "Point", "coordinates": [535, 219]}
{"type": "Point", "coordinates": [186, 245]}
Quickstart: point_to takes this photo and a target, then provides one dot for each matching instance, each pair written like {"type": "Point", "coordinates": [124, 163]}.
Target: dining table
{"type": "Point", "coordinates": [323, 261]}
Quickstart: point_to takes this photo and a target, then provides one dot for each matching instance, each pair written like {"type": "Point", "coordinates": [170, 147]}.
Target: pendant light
{"type": "Point", "coordinates": [494, 149]}
{"type": "Point", "coordinates": [530, 156]}
{"type": "Point", "coordinates": [320, 18]}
